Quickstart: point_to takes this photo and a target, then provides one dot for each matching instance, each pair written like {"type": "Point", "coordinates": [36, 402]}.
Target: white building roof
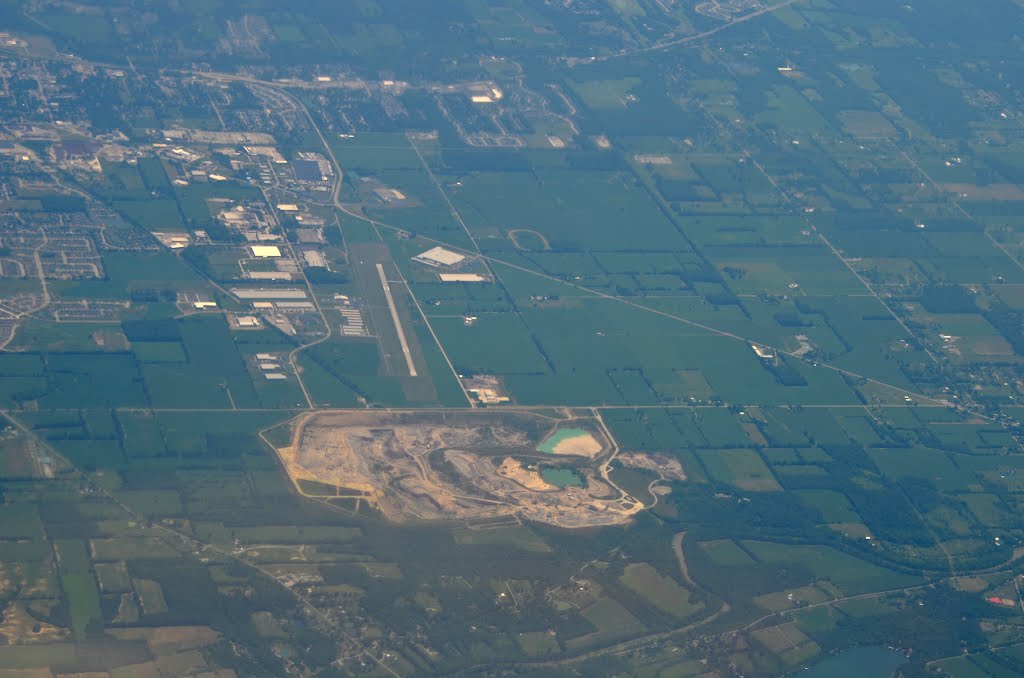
{"type": "Point", "coordinates": [265, 251]}
{"type": "Point", "coordinates": [276, 293]}
{"type": "Point", "coordinates": [439, 256]}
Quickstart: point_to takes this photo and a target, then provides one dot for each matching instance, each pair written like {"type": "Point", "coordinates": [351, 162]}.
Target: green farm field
{"type": "Point", "coordinates": [763, 261]}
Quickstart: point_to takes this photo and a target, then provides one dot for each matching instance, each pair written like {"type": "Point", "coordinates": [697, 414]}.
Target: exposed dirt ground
{"type": "Point", "coordinates": [583, 445]}
{"type": "Point", "coordinates": [460, 464]}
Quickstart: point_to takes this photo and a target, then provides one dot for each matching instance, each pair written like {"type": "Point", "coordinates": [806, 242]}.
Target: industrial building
{"type": "Point", "coordinates": [462, 277]}
{"type": "Point", "coordinates": [265, 251]}
{"type": "Point", "coordinates": [439, 257]}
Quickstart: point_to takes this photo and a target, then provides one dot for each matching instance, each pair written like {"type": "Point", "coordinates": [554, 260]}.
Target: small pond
{"type": "Point", "coordinates": [561, 477]}
{"type": "Point", "coordinates": [561, 435]}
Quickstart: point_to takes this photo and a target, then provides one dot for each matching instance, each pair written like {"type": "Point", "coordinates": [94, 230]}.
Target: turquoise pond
{"type": "Point", "coordinates": [548, 446]}
{"type": "Point", "coordinates": [561, 477]}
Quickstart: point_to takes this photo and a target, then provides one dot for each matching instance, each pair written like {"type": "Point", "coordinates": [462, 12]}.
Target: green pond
{"type": "Point", "coordinates": [561, 477]}
{"type": "Point", "coordinates": [548, 446]}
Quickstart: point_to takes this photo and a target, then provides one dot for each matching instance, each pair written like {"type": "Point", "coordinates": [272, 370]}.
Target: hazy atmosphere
{"type": "Point", "coordinates": [511, 338]}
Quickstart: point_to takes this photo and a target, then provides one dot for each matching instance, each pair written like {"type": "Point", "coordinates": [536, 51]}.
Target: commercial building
{"type": "Point", "coordinates": [265, 251]}
{"type": "Point", "coordinates": [283, 293]}
{"type": "Point", "coordinates": [440, 257]}
{"type": "Point", "coordinates": [314, 258]}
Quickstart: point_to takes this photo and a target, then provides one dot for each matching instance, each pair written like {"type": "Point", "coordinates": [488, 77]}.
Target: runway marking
{"type": "Point", "coordinates": [398, 323]}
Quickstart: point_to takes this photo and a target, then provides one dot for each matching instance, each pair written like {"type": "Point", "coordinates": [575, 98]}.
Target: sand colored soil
{"type": "Point", "coordinates": [667, 467]}
{"type": "Point", "coordinates": [585, 445]}
{"type": "Point", "coordinates": [20, 627]}
{"type": "Point", "coordinates": [444, 465]}
{"type": "Point", "coordinates": [289, 456]}
{"type": "Point", "coordinates": [579, 442]}
{"type": "Point", "coordinates": [531, 480]}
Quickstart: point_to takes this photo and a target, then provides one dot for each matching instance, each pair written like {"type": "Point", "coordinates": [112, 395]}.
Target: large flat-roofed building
{"type": "Point", "coordinates": [310, 235]}
{"type": "Point", "coordinates": [268, 275]}
{"type": "Point", "coordinates": [265, 251]}
{"type": "Point", "coordinates": [285, 293]}
{"type": "Point", "coordinates": [461, 277]}
{"type": "Point", "coordinates": [308, 170]}
{"type": "Point", "coordinates": [439, 256]}
{"type": "Point", "coordinates": [175, 241]}
{"type": "Point", "coordinates": [267, 152]}
{"type": "Point", "coordinates": [314, 258]}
